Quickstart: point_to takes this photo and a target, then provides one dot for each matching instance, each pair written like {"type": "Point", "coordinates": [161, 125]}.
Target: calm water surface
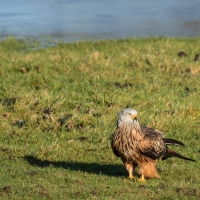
{"type": "Point", "coordinates": [72, 20]}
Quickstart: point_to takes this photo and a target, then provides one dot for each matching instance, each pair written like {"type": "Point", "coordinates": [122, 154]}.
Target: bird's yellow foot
{"type": "Point", "coordinates": [142, 179]}
{"type": "Point", "coordinates": [130, 177]}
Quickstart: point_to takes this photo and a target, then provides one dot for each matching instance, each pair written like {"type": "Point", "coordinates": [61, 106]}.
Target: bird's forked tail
{"type": "Point", "coordinates": [170, 153]}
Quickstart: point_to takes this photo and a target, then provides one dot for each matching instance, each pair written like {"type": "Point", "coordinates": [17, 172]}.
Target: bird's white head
{"type": "Point", "coordinates": [127, 116]}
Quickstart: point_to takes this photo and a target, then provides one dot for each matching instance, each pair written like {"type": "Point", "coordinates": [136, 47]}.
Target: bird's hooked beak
{"type": "Point", "coordinates": [134, 116]}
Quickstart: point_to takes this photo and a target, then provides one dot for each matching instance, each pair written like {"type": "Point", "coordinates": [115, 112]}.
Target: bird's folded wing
{"type": "Point", "coordinates": [152, 145]}
{"type": "Point", "coordinates": [115, 142]}
{"type": "Point", "coordinates": [148, 130]}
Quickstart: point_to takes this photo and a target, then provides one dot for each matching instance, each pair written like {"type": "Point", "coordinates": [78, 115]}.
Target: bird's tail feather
{"type": "Point", "coordinates": [170, 153]}
{"type": "Point", "coordinates": [168, 141]}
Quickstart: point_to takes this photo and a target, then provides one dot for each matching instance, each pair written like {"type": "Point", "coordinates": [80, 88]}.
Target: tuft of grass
{"type": "Point", "coordinates": [58, 109]}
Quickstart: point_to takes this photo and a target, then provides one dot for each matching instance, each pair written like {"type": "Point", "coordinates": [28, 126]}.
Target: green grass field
{"type": "Point", "coordinates": [59, 106]}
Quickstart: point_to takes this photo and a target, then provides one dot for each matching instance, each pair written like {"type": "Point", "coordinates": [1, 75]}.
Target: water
{"type": "Point", "coordinates": [72, 20]}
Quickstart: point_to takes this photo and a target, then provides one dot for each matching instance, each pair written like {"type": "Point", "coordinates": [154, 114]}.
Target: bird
{"type": "Point", "coordinates": [141, 146]}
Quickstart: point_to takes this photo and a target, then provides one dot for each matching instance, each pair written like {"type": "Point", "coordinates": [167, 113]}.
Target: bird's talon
{"type": "Point", "coordinates": [142, 179]}
{"type": "Point", "coordinates": [131, 177]}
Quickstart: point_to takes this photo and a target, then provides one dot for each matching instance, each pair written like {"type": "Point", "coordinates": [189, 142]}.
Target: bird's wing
{"type": "Point", "coordinates": [167, 141]}
{"type": "Point", "coordinates": [115, 142]}
{"type": "Point", "coordinates": [148, 130]}
{"type": "Point", "coordinates": [152, 145]}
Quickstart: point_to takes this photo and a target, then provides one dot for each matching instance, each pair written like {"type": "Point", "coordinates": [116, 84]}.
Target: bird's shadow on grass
{"type": "Point", "coordinates": [93, 168]}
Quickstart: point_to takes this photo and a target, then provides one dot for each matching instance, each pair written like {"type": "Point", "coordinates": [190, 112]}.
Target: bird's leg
{"type": "Point", "coordinates": [129, 168]}
{"type": "Point", "coordinates": [130, 175]}
{"type": "Point", "coordinates": [142, 179]}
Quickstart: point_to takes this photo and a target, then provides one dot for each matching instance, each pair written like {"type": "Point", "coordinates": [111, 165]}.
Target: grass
{"type": "Point", "coordinates": [58, 109]}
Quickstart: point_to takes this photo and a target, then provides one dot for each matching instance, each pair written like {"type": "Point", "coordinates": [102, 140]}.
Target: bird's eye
{"type": "Point", "coordinates": [128, 114]}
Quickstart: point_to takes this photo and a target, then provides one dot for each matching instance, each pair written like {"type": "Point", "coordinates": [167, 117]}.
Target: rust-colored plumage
{"type": "Point", "coordinates": [141, 146]}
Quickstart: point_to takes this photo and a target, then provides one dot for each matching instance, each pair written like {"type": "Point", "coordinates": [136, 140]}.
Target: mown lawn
{"type": "Point", "coordinates": [58, 109]}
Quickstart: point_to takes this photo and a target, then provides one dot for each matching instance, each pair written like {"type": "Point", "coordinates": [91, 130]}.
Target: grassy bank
{"type": "Point", "coordinates": [58, 109]}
